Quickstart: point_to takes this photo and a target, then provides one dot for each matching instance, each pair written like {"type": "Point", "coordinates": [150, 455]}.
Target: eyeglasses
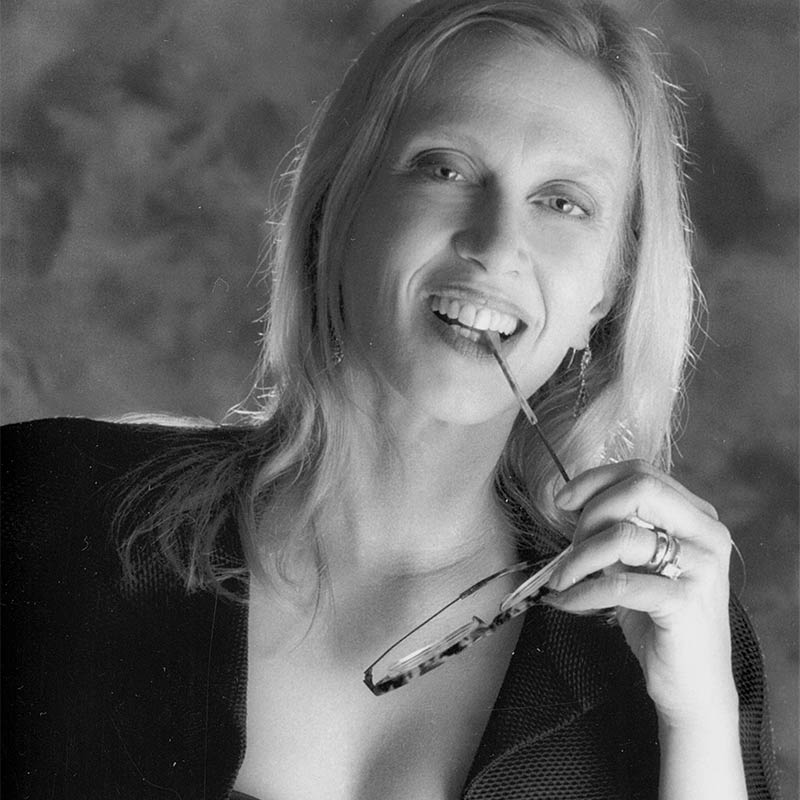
{"type": "Point", "coordinates": [434, 640]}
{"type": "Point", "coordinates": [498, 598]}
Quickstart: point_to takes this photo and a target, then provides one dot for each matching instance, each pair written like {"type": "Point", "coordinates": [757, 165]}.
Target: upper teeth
{"type": "Point", "coordinates": [481, 319]}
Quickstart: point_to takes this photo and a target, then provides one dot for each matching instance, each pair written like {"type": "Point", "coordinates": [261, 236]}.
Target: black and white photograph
{"type": "Point", "coordinates": [399, 399]}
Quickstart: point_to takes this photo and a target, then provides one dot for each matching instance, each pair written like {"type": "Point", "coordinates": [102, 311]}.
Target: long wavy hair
{"type": "Point", "coordinates": [296, 428]}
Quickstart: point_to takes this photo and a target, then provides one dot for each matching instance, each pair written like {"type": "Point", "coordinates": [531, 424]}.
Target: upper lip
{"type": "Point", "coordinates": [479, 296]}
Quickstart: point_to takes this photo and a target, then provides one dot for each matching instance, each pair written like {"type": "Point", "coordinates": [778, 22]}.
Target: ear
{"type": "Point", "coordinates": [596, 313]}
{"type": "Point", "coordinates": [602, 307]}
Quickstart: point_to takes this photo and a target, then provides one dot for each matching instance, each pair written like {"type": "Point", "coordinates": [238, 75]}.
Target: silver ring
{"type": "Point", "coordinates": [664, 560]}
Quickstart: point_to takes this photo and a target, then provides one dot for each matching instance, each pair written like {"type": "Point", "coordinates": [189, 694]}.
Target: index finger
{"type": "Point", "coordinates": [582, 488]}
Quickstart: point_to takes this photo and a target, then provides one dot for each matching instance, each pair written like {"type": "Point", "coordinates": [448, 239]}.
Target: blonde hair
{"type": "Point", "coordinates": [296, 416]}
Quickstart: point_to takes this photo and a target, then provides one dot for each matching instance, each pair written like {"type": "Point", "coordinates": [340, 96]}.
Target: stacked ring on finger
{"type": "Point", "coordinates": [664, 560]}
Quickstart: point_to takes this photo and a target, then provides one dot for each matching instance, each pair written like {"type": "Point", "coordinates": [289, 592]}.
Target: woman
{"type": "Point", "coordinates": [486, 166]}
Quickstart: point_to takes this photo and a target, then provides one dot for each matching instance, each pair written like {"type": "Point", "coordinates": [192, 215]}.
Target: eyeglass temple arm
{"type": "Point", "coordinates": [493, 339]}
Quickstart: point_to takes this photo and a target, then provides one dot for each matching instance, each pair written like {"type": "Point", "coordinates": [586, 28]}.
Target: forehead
{"type": "Point", "coordinates": [521, 94]}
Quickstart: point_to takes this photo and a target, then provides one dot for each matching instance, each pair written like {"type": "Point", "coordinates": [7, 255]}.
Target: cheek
{"type": "Point", "coordinates": [590, 274]}
{"type": "Point", "coordinates": [574, 292]}
{"type": "Point", "coordinates": [373, 267]}
{"type": "Point", "coordinates": [372, 290]}
{"type": "Point", "coordinates": [365, 255]}
{"type": "Point", "coordinates": [390, 244]}
{"type": "Point", "coordinates": [359, 293]}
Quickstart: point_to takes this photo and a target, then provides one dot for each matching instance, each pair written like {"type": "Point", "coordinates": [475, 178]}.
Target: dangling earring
{"type": "Point", "coordinates": [337, 349]}
{"type": "Point", "coordinates": [583, 396]}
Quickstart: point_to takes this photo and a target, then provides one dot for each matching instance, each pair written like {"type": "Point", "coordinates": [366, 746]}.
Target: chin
{"type": "Point", "coordinates": [465, 408]}
{"type": "Point", "coordinates": [462, 389]}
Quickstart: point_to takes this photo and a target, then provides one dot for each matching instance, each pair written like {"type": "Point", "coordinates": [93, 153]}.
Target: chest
{"type": "Point", "coordinates": [314, 730]}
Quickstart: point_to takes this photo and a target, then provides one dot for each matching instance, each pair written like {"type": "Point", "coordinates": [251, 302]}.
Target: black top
{"type": "Point", "coordinates": [136, 689]}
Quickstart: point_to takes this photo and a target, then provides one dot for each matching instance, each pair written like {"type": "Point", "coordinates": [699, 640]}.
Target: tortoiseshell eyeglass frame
{"type": "Point", "coordinates": [514, 604]}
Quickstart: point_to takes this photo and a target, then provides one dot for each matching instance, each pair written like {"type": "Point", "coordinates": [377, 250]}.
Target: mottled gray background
{"type": "Point", "coordinates": [138, 142]}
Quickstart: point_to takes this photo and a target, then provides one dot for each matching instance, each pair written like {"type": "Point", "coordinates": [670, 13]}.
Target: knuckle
{"type": "Point", "coordinates": [710, 567]}
{"type": "Point", "coordinates": [640, 466]}
{"type": "Point", "coordinates": [628, 533]}
{"type": "Point", "coordinates": [645, 484]}
{"type": "Point", "coordinates": [618, 584]}
{"type": "Point", "coordinates": [722, 539]}
{"type": "Point", "coordinates": [704, 561]}
{"type": "Point", "coordinates": [712, 551]}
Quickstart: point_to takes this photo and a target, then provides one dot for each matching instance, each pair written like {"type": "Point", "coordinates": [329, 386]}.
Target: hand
{"type": "Point", "coordinates": [678, 629]}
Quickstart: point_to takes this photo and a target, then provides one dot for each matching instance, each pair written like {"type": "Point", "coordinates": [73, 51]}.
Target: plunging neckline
{"type": "Point", "coordinates": [435, 748]}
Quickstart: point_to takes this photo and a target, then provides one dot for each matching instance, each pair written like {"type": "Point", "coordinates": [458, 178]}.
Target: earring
{"type": "Point", "coordinates": [583, 396]}
{"type": "Point", "coordinates": [337, 349]}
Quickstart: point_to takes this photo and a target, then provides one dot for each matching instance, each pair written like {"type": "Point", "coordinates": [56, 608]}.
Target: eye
{"type": "Point", "coordinates": [442, 166]}
{"type": "Point", "coordinates": [563, 205]}
{"type": "Point", "coordinates": [445, 173]}
{"type": "Point", "coordinates": [565, 202]}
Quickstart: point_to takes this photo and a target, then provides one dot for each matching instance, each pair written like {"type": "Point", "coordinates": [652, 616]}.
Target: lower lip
{"type": "Point", "coordinates": [461, 344]}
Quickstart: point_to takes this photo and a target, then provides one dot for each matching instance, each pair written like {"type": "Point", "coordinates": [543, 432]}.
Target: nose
{"type": "Point", "coordinates": [493, 235]}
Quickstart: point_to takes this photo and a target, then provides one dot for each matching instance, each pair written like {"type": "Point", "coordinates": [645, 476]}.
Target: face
{"type": "Point", "coordinates": [498, 205]}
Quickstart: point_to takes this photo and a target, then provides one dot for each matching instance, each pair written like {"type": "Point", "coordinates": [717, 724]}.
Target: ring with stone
{"type": "Point", "coordinates": [664, 560]}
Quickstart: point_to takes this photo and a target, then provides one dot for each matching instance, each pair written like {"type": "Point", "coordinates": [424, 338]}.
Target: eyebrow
{"type": "Point", "coordinates": [438, 135]}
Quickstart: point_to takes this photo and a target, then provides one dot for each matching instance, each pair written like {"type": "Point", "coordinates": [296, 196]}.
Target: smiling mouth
{"type": "Point", "coordinates": [471, 321]}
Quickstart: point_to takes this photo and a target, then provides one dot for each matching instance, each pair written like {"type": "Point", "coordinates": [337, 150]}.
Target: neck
{"type": "Point", "coordinates": [418, 498]}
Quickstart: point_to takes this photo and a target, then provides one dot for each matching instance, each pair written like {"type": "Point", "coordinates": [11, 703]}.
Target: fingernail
{"type": "Point", "coordinates": [563, 496]}
{"type": "Point", "coordinates": [556, 579]}
{"type": "Point", "coordinates": [549, 597]}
